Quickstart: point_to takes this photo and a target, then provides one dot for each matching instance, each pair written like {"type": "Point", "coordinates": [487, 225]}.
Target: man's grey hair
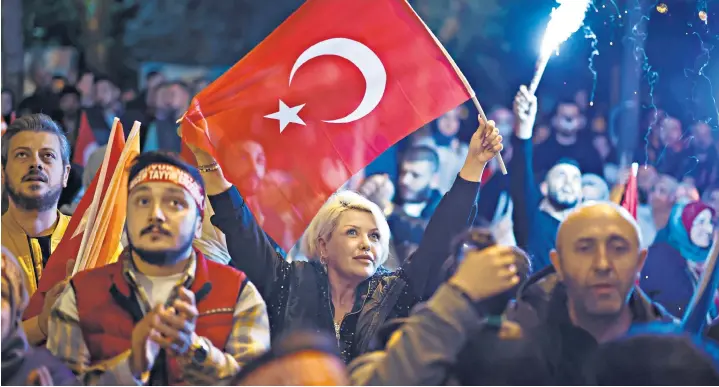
{"type": "Point", "coordinates": [35, 123]}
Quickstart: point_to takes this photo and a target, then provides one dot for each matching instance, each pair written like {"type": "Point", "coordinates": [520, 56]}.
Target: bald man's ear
{"type": "Point", "coordinates": [544, 188]}
{"type": "Point", "coordinates": [554, 257]}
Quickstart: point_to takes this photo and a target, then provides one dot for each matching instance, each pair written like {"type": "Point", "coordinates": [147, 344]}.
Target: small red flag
{"type": "Point", "coordinates": [69, 246]}
{"type": "Point", "coordinates": [334, 86]}
{"type": "Point", "coordinates": [12, 117]}
{"type": "Point", "coordinates": [86, 143]}
{"type": "Point", "coordinates": [631, 193]}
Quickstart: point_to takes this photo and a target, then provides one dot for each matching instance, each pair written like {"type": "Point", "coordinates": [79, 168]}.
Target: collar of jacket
{"type": "Point", "coordinates": [15, 239]}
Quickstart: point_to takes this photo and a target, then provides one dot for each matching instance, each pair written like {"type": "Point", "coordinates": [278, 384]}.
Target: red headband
{"type": "Point", "coordinates": [171, 174]}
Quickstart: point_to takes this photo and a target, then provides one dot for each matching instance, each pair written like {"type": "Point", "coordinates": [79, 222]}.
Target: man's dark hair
{"type": "Point", "coordinates": [565, 100]}
{"type": "Point", "coordinates": [69, 90]}
{"type": "Point", "coordinates": [152, 73]}
{"type": "Point", "coordinates": [654, 359]}
{"type": "Point", "coordinates": [160, 157]}
{"type": "Point", "coordinates": [568, 160]}
{"type": "Point", "coordinates": [35, 123]}
{"type": "Point", "coordinates": [422, 153]}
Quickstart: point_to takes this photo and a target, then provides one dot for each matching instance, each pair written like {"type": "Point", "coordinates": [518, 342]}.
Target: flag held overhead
{"type": "Point", "coordinates": [333, 86]}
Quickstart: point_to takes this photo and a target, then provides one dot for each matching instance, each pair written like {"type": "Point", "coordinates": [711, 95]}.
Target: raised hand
{"type": "Point", "coordinates": [525, 110]}
{"type": "Point", "coordinates": [487, 273]}
{"type": "Point", "coordinates": [486, 143]}
{"type": "Point", "coordinates": [379, 189]}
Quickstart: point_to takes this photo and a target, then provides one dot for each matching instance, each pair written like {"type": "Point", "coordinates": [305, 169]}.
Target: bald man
{"type": "Point", "coordinates": [588, 295]}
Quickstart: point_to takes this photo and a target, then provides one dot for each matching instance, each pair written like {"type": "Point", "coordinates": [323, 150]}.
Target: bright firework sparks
{"type": "Point", "coordinates": [566, 20]}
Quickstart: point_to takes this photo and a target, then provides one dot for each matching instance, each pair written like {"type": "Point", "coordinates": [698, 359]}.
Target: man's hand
{"type": "Point", "coordinates": [525, 110]}
{"type": "Point", "coordinates": [379, 189]}
{"type": "Point", "coordinates": [176, 324]}
{"type": "Point", "coordinates": [52, 295]}
{"type": "Point", "coordinates": [486, 143]}
{"type": "Point", "coordinates": [202, 157]}
{"type": "Point", "coordinates": [486, 273]}
{"type": "Point", "coordinates": [144, 349]}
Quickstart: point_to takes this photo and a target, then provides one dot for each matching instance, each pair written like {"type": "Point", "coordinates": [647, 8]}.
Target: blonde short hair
{"type": "Point", "coordinates": [325, 222]}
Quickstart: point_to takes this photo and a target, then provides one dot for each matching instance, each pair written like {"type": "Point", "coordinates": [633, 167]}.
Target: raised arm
{"type": "Point", "coordinates": [455, 213]}
{"type": "Point", "coordinates": [522, 186]}
{"type": "Point", "coordinates": [250, 249]}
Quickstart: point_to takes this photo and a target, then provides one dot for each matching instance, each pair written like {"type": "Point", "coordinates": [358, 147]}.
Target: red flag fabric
{"type": "Point", "coordinates": [631, 194]}
{"type": "Point", "coordinates": [335, 85]}
{"type": "Point", "coordinates": [12, 117]}
{"type": "Point", "coordinates": [69, 246]}
{"type": "Point", "coordinates": [85, 144]}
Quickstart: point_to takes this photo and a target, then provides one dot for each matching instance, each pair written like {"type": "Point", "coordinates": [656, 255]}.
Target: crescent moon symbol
{"type": "Point", "coordinates": [366, 61]}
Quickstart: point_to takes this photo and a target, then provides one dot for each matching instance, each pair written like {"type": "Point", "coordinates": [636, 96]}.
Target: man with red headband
{"type": "Point", "coordinates": [163, 314]}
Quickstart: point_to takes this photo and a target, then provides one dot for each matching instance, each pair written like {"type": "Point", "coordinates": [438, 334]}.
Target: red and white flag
{"type": "Point", "coordinates": [86, 143]}
{"type": "Point", "coordinates": [631, 193]}
{"type": "Point", "coordinates": [333, 87]}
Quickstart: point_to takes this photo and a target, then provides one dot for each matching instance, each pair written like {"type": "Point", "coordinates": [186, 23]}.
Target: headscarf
{"type": "Point", "coordinates": [676, 234]}
{"type": "Point", "coordinates": [14, 344]}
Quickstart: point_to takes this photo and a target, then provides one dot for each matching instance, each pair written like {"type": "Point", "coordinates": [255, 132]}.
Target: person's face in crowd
{"type": "Point", "coordinates": [180, 98]}
{"type": "Point", "coordinates": [504, 121]}
{"type": "Point", "coordinates": [601, 144]}
{"type": "Point", "coordinates": [581, 98]}
{"type": "Point", "coordinates": [701, 230]}
{"type": "Point", "coordinates": [154, 81]}
{"type": "Point", "coordinates": [41, 78]}
{"type": "Point", "coordinates": [663, 193]}
{"type": "Point", "coordinates": [646, 176]}
{"type": "Point", "coordinates": [128, 95]}
{"type": "Point", "coordinates": [448, 123]}
{"type": "Point", "coordinates": [569, 119]}
{"type": "Point", "coordinates": [85, 85]}
{"type": "Point", "coordinates": [415, 178]}
{"type": "Point", "coordinates": [105, 93]}
{"type": "Point", "coordinates": [251, 166]}
{"type": "Point", "coordinates": [670, 131]}
{"type": "Point", "coordinates": [592, 189]}
{"type": "Point", "coordinates": [34, 175]}
{"type": "Point", "coordinates": [6, 104]}
{"type": "Point", "coordinates": [70, 103]}
{"type": "Point", "coordinates": [598, 258]}
{"type": "Point", "coordinates": [354, 245]}
{"type": "Point", "coordinates": [563, 186]}
{"type": "Point", "coordinates": [162, 221]}
{"type": "Point", "coordinates": [702, 133]}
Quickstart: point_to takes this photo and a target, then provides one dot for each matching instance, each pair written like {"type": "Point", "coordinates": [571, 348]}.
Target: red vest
{"type": "Point", "coordinates": [108, 310]}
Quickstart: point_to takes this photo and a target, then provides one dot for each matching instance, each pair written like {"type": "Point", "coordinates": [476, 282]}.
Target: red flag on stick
{"type": "Point", "coordinates": [69, 246]}
{"type": "Point", "coordinates": [86, 143]}
{"type": "Point", "coordinates": [327, 92]}
{"type": "Point", "coordinates": [631, 193]}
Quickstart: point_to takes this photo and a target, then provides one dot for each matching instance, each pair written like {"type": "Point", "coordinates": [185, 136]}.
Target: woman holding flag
{"type": "Point", "coordinates": [343, 289]}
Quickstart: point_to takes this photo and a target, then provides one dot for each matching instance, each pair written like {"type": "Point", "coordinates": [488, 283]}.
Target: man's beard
{"type": "Point", "coordinates": [45, 202]}
{"type": "Point", "coordinates": [417, 197]}
{"type": "Point", "coordinates": [561, 205]}
{"type": "Point", "coordinates": [164, 257]}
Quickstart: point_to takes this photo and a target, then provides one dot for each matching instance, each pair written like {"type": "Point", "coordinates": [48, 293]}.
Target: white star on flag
{"type": "Point", "coordinates": [286, 115]}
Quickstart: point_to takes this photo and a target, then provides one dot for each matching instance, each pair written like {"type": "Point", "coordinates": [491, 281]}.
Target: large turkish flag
{"type": "Point", "coordinates": [372, 67]}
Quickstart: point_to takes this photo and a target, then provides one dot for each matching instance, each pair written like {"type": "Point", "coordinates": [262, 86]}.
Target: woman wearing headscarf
{"type": "Point", "coordinates": [343, 289]}
{"type": "Point", "coordinates": [676, 258]}
{"type": "Point", "coordinates": [21, 364]}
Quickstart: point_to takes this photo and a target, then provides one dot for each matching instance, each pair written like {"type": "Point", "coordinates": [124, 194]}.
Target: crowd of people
{"type": "Point", "coordinates": [428, 267]}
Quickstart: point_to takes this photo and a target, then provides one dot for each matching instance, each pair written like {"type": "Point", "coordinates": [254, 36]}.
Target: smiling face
{"type": "Point", "coordinates": [162, 221]}
{"type": "Point", "coordinates": [564, 186]}
{"type": "Point", "coordinates": [35, 175]}
{"type": "Point", "coordinates": [702, 228]}
{"type": "Point", "coordinates": [598, 258]}
{"type": "Point", "coordinates": [353, 249]}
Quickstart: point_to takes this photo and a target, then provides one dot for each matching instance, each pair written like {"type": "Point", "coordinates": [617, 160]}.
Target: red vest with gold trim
{"type": "Point", "coordinates": [108, 309]}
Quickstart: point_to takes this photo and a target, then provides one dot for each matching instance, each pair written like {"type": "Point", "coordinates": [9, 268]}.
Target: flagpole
{"type": "Point", "coordinates": [461, 76]}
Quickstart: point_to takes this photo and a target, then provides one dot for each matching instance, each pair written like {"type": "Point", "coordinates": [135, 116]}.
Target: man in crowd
{"type": "Point", "coordinates": [107, 107]}
{"type": "Point", "coordinates": [35, 169]}
{"type": "Point", "coordinates": [654, 216]}
{"type": "Point", "coordinates": [538, 210]}
{"type": "Point", "coordinates": [702, 161]}
{"type": "Point", "coordinates": [589, 295]}
{"type": "Point", "coordinates": [416, 198]}
{"type": "Point", "coordinates": [568, 140]}
{"type": "Point", "coordinates": [162, 314]}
